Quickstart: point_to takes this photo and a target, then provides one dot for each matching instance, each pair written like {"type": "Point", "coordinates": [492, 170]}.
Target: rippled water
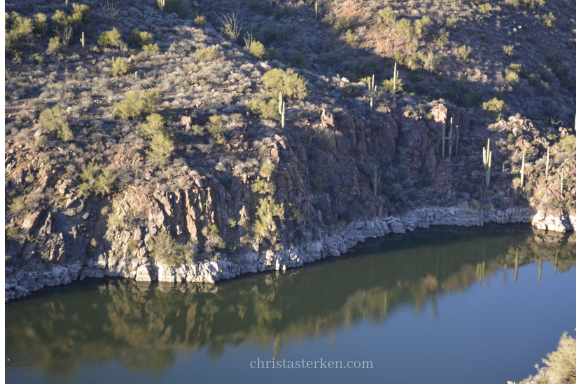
{"type": "Point", "coordinates": [443, 305]}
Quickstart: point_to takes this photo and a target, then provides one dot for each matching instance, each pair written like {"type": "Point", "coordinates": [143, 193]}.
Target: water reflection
{"type": "Point", "coordinates": [144, 325]}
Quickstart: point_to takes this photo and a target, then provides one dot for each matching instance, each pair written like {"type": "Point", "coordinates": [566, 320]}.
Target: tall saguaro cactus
{"type": "Point", "coordinates": [457, 137]}
{"type": "Point", "coordinates": [281, 107]}
{"type": "Point", "coordinates": [372, 91]}
{"type": "Point", "coordinates": [395, 76]}
{"type": "Point", "coordinates": [547, 160]}
{"type": "Point", "coordinates": [450, 140]}
{"type": "Point", "coordinates": [316, 8]}
{"type": "Point", "coordinates": [487, 160]}
{"type": "Point", "coordinates": [523, 166]}
{"type": "Point", "coordinates": [562, 182]}
{"type": "Point", "coordinates": [161, 4]}
{"type": "Point", "coordinates": [83, 41]}
{"type": "Point", "coordinates": [443, 139]}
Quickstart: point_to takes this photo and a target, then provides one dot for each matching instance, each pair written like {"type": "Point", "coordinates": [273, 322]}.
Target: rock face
{"type": "Point", "coordinates": [318, 190]}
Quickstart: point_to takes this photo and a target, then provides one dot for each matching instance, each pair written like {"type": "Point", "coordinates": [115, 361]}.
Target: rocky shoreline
{"type": "Point", "coordinates": [20, 283]}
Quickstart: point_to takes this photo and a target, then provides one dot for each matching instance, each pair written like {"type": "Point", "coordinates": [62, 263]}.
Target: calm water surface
{"type": "Point", "coordinates": [443, 305]}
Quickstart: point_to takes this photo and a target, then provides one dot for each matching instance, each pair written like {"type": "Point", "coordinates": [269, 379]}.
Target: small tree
{"type": "Point", "coordinates": [289, 83]}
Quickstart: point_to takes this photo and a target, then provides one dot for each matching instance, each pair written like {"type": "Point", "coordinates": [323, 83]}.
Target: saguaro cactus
{"type": "Point", "coordinates": [83, 41]}
{"type": "Point", "coordinates": [547, 159]}
{"type": "Point", "coordinates": [450, 140]}
{"type": "Point", "coordinates": [487, 160]}
{"type": "Point", "coordinates": [443, 138]}
{"type": "Point", "coordinates": [395, 75]}
{"type": "Point", "coordinates": [161, 4]}
{"type": "Point", "coordinates": [562, 182]}
{"type": "Point", "coordinates": [375, 179]}
{"type": "Point", "coordinates": [457, 137]}
{"type": "Point", "coordinates": [281, 107]}
{"type": "Point", "coordinates": [316, 9]}
{"type": "Point", "coordinates": [522, 172]}
{"type": "Point", "coordinates": [372, 91]}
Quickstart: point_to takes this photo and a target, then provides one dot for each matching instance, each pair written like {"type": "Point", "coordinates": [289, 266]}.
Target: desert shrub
{"type": "Point", "coordinates": [388, 85]}
{"type": "Point", "coordinates": [511, 76]}
{"type": "Point", "coordinates": [216, 129]}
{"type": "Point", "coordinates": [274, 54]}
{"type": "Point", "coordinates": [405, 28]}
{"type": "Point", "coordinates": [329, 19]}
{"type": "Point", "coordinates": [96, 180]}
{"type": "Point", "coordinates": [421, 26]}
{"type": "Point", "coordinates": [207, 54]}
{"type": "Point", "coordinates": [464, 52]}
{"type": "Point", "coordinates": [110, 39]}
{"type": "Point", "coordinates": [12, 233]}
{"type": "Point", "coordinates": [197, 19]}
{"type": "Point", "coordinates": [120, 67]}
{"type": "Point", "coordinates": [485, 8]}
{"type": "Point", "coordinates": [41, 142]}
{"type": "Point", "coordinates": [18, 206]}
{"type": "Point", "coordinates": [54, 120]}
{"type": "Point", "coordinates": [267, 169]}
{"type": "Point", "coordinates": [350, 38]}
{"type": "Point", "coordinates": [265, 213]}
{"type": "Point", "coordinates": [256, 49]}
{"type": "Point", "coordinates": [568, 143]}
{"type": "Point", "coordinates": [265, 109]}
{"type": "Point", "coordinates": [548, 20]}
{"type": "Point", "coordinates": [135, 105]}
{"type": "Point", "coordinates": [162, 142]}
{"type": "Point", "coordinates": [508, 50]}
{"type": "Point", "coordinates": [386, 17]}
{"type": "Point", "coordinates": [39, 59]}
{"type": "Point", "coordinates": [442, 37]}
{"type": "Point", "coordinates": [140, 38]}
{"type": "Point", "coordinates": [262, 187]}
{"type": "Point", "coordinates": [562, 362]}
{"type": "Point", "coordinates": [151, 49]}
{"type": "Point", "coordinates": [344, 23]}
{"type": "Point", "coordinates": [494, 107]}
{"type": "Point", "coordinates": [39, 23]}
{"type": "Point", "coordinates": [55, 45]}
{"type": "Point", "coordinates": [289, 83]}
{"type": "Point", "coordinates": [168, 251]}
{"type": "Point", "coordinates": [451, 23]}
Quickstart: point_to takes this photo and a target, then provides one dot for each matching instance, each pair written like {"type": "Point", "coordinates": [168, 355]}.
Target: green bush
{"type": "Point", "coordinates": [421, 26]}
{"type": "Point", "coordinates": [568, 143]}
{"type": "Point", "coordinates": [135, 105]}
{"type": "Point", "coordinates": [265, 109]}
{"type": "Point", "coordinates": [405, 28]}
{"type": "Point", "coordinates": [511, 76]}
{"type": "Point", "coordinates": [267, 169]}
{"type": "Point", "coordinates": [464, 52]}
{"type": "Point", "coordinates": [387, 17]}
{"type": "Point", "coordinates": [508, 50]}
{"type": "Point", "coordinates": [344, 23]}
{"type": "Point", "coordinates": [262, 187]}
{"type": "Point", "coordinates": [54, 120]}
{"type": "Point", "coordinates": [170, 252]}
{"type": "Point", "coordinates": [319, 177]}
{"type": "Point", "coordinates": [208, 54]}
{"type": "Point", "coordinates": [18, 206]}
{"type": "Point", "coordinates": [548, 20]}
{"type": "Point", "coordinates": [485, 8]}
{"type": "Point", "coordinates": [216, 129]}
{"type": "Point", "coordinates": [140, 38]}
{"type": "Point", "coordinates": [96, 180]}
{"type": "Point", "coordinates": [198, 19]}
{"type": "Point", "coordinates": [289, 83]}
{"type": "Point", "coordinates": [388, 85]}
{"type": "Point", "coordinates": [55, 45]}
{"type": "Point", "coordinates": [265, 213]}
{"type": "Point", "coordinates": [257, 49]}
{"type": "Point", "coordinates": [494, 107]}
{"type": "Point", "coordinates": [162, 144]}
{"type": "Point", "coordinates": [120, 67]}
{"type": "Point", "coordinates": [110, 39]}
{"type": "Point", "coordinates": [151, 49]}
{"type": "Point", "coordinates": [297, 59]}
{"type": "Point", "coordinates": [562, 362]}
{"type": "Point", "coordinates": [39, 23]}
{"type": "Point", "coordinates": [12, 233]}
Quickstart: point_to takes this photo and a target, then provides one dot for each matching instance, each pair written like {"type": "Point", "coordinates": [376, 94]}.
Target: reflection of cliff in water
{"type": "Point", "coordinates": [143, 325]}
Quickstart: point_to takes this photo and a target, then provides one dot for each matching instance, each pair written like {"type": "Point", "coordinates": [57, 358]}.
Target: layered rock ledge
{"type": "Point", "coordinates": [20, 283]}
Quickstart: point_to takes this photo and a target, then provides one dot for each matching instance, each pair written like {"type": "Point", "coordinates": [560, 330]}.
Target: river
{"type": "Point", "coordinates": [442, 305]}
